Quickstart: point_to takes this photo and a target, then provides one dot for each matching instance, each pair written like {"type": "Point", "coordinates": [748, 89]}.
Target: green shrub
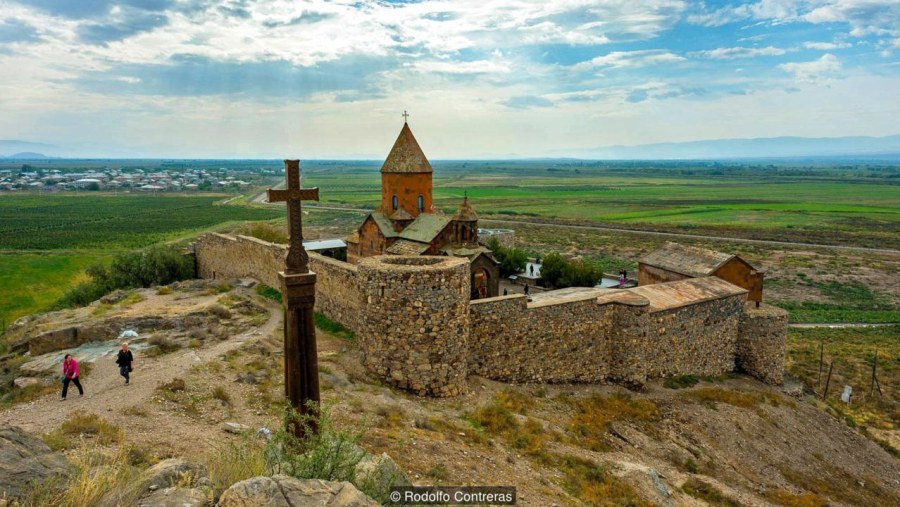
{"type": "Point", "coordinates": [159, 265]}
{"type": "Point", "coordinates": [330, 454]}
{"type": "Point", "coordinates": [560, 273]}
{"type": "Point", "coordinates": [681, 382]}
{"type": "Point", "coordinates": [512, 260]}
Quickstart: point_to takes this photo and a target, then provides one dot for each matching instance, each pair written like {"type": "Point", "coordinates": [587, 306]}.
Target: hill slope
{"type": "Point", "coordinates": [724, 441]}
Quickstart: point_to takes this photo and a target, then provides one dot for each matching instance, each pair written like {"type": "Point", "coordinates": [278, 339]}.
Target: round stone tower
{"type": "Point", "coordinates": [414, 325]}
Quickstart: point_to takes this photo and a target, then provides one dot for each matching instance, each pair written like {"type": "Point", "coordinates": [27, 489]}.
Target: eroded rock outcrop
{"type": "Point", "coordinates": [284, 491]}
{"type": "Point", "coordinates": [26, 460]}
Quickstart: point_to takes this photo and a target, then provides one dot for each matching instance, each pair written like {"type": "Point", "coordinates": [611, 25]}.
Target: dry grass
{"type": "Point", "coordinates": [222, 395]}
{"type": "Point", "coordinates": [233, 461]}
{"type": "Point", "coordinates": [99, 476]}
{"type": "Point", "coordinates": [81, 425]}
{"type": "Point", "coordinates": [708, 493]}
{"type": "Point", "coordinates": [390, 417]}
{"type": "Point", "coordinates": [164, 291]}
{"type": "Point", "coordinates": [593, 416]}
{"type": "Point", "coordinates": [788, 499]}
{"type": "Point", "coordinates": [833, 483]}
{"type": "Point", "coordinates": [161, 345]}
{"type": "Point", "coordinates": [595, 486]}
{"type": "Point", "coordinates": [743, 399]}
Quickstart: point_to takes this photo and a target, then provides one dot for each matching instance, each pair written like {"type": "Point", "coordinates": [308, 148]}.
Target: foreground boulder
{"type": "Point", "coordinates": [26, 460]}
{"type": "Point", "coordinates": [378, 474]}
{"type": "Point", "coordinates": [284, 491]}
{"type": "Point", "coordinates": [174, 482]}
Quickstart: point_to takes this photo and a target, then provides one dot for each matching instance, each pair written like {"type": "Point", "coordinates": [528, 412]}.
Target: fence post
{"type": "Point", "coordinates": [828, 381]}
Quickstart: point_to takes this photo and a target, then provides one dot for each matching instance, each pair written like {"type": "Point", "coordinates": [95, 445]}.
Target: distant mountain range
{"type": "Point", "coordinates": [879, 148]}
{"type": "Point", "coordinates": [762, 147]}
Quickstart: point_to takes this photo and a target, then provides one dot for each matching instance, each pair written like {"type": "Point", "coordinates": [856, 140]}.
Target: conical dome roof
{"type": "Point", "coordinates": [466, 211]}
{"type": "Point", "coordinates": [406, 156]}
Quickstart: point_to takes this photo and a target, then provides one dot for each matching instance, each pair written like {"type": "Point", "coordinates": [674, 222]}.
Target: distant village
{"type": "Point", "coordinates": [28, 178]}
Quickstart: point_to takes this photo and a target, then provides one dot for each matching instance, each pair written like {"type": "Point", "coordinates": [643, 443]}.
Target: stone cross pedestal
{"type": "Point", "coordinates": [298, 293]}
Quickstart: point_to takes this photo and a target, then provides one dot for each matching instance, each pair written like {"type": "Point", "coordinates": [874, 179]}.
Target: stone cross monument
{"type": "Point", "coordinates": [298, 292]}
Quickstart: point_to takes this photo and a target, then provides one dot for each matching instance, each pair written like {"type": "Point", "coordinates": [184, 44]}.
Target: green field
{"type": "Point", "coordinates": [825, 204]}
{"type": "Point", "coordinates": [46, 241]}
{"type": "Point", "coordinates": [829, 205]}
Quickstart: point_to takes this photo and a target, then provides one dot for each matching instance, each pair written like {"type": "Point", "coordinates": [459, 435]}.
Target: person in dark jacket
{"type": "Point", "coordinates": [125, 362]}
{"type": "Point", "coordinates": [70, 374]}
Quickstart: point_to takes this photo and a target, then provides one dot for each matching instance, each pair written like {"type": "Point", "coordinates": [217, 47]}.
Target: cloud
{"type": "Point", "coordinates": [83, 9]}
{"type": "Point", "coordinates": [827, 65]}
{"type": "Point", "coordinates": [15, 30]}
{"type": "Point", "coordinates": [826, 46]}
{"type": "Point", "coordinates": [630, 59]}
{"type": "Point", "coordinates": [454, 67]}
{"type": "Point", "coordinates": [193, 75]}
{"type": "Point", "coordinates": [121, 27]}
{"type": "Point", "coordinates": [527, 102]}
{"type": "Point", "coordinates": [738, 52]}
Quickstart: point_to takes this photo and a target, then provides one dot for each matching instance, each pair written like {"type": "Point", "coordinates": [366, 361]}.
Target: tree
{"type": "Point", "coordinates": [512, 260]}
{"type": "Point", "coordinates": [560, 273]}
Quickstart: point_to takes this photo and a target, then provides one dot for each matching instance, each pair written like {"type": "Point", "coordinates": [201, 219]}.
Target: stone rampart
{"type": "Point", "coordinates": [761, 342]}
{"type": "Point", "coordinates": [414, 324]}
{"type": "Point", "coordinates": [337, 291]}
{"type": "Point", "coordinates": [221, 256]}
{"type": "Point", "coordinates": [418, 330]}
{"type": "Point", "coordinates": [697, 339]}
{"type": "Point", "coordinates": [559, 339]}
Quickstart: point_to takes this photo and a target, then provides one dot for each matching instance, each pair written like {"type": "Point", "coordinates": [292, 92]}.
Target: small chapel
{"type": "Point", "coordinates": [407, 223]}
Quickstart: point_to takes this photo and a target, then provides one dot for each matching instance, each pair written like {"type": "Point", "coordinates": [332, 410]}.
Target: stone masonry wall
{"type": "Point", "coordinates": [338, 296]}
{"type": "Point", "coordinates": [515, 342]}
{"type": "Point", "coordinates": [222, 256]}
{"type": "Point", "coordinates": [761, 342]}
{"type": "Point", "coordinates": [337, 291]}
{"type": "Point", "coordinates": [698, 339]}
{"type": "Point", "coordinates": [584, 341]}
{"type": "Point", "coordinates": [414, 325]}
{"type": "Point", "coordinates": [418, 330]}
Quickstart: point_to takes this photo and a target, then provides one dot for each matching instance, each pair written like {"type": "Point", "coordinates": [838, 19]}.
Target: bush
{"type": "Point", "coordinates": [561, 273]}
{"type": "Point", "coordinates": [159, 265]}
{"type": "Point", "coordinates": [512, 260]}
{"type": "Point", "coordinates": [331, 454]}
{"type": "Point", "coordinates": [681, 382]}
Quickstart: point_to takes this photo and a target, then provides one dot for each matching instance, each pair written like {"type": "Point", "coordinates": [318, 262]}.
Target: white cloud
{"type": "Point", "coordinates": [738, 52]}
{"type": "Point", "coordinates": [452, 67]}
{"type": "Point", "coordinates": [826, 66]}
{"type": "Point", "coordinates": [825, 46]}
{"type": "Point", "coordinates": [629, 59]}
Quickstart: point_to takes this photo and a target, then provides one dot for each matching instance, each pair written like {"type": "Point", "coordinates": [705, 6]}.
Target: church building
{"type": "Point", "coordinates": [407, 223]}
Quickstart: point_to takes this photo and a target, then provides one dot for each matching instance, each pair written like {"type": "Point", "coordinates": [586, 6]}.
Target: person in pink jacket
{"type": "Point", "coordinates": [70, 374]}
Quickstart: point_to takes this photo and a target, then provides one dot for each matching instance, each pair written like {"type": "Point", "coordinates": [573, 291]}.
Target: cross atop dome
{"type": "Point", "coordinates": [406, 156]}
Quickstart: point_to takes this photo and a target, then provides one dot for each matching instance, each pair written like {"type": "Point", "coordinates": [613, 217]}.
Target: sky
{"type": "Point", "coordinates": [479, 78]}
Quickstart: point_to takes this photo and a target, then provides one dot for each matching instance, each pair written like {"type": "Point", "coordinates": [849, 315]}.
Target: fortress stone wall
{"type": "Point", "coordinates": [415, 328]}
{"type": "Point", "coordinates": [418, 330]}
{"type": "Point", "coordinates": [223, 256]}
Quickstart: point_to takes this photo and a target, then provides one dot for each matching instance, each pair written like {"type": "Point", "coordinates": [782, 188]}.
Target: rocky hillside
{"type": "Point", "coordinates": [209, 364]}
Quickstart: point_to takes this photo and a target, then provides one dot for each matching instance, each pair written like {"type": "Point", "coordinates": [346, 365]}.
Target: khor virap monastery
{"type": "Point", "coordinates": [408, 293]}
{"type": "Point", "coordinates": [407, 223]}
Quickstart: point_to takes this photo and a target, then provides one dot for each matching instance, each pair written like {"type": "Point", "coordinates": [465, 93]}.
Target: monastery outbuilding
{"type": "Point", "coordinates": [675, 262]}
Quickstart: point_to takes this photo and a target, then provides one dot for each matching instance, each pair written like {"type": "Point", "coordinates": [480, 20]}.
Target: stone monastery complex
{"type": "Point", "coordinates": [406, 292]}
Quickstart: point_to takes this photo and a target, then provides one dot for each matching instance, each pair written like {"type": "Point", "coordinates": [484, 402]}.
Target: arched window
{"type": "Point", "coordinates": [394, 202]}
{"type": "Point", "coordinates": [421, 203]}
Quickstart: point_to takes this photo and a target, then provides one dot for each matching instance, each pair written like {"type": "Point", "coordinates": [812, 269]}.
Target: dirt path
{"type": "Point", "coordinates": [260, 199]}
{"type": "Point", "coordinates": [107, 395]}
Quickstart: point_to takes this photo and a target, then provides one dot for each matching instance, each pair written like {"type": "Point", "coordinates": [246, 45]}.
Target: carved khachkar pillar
{"type": "Point", "coordinates": [298, 292]}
